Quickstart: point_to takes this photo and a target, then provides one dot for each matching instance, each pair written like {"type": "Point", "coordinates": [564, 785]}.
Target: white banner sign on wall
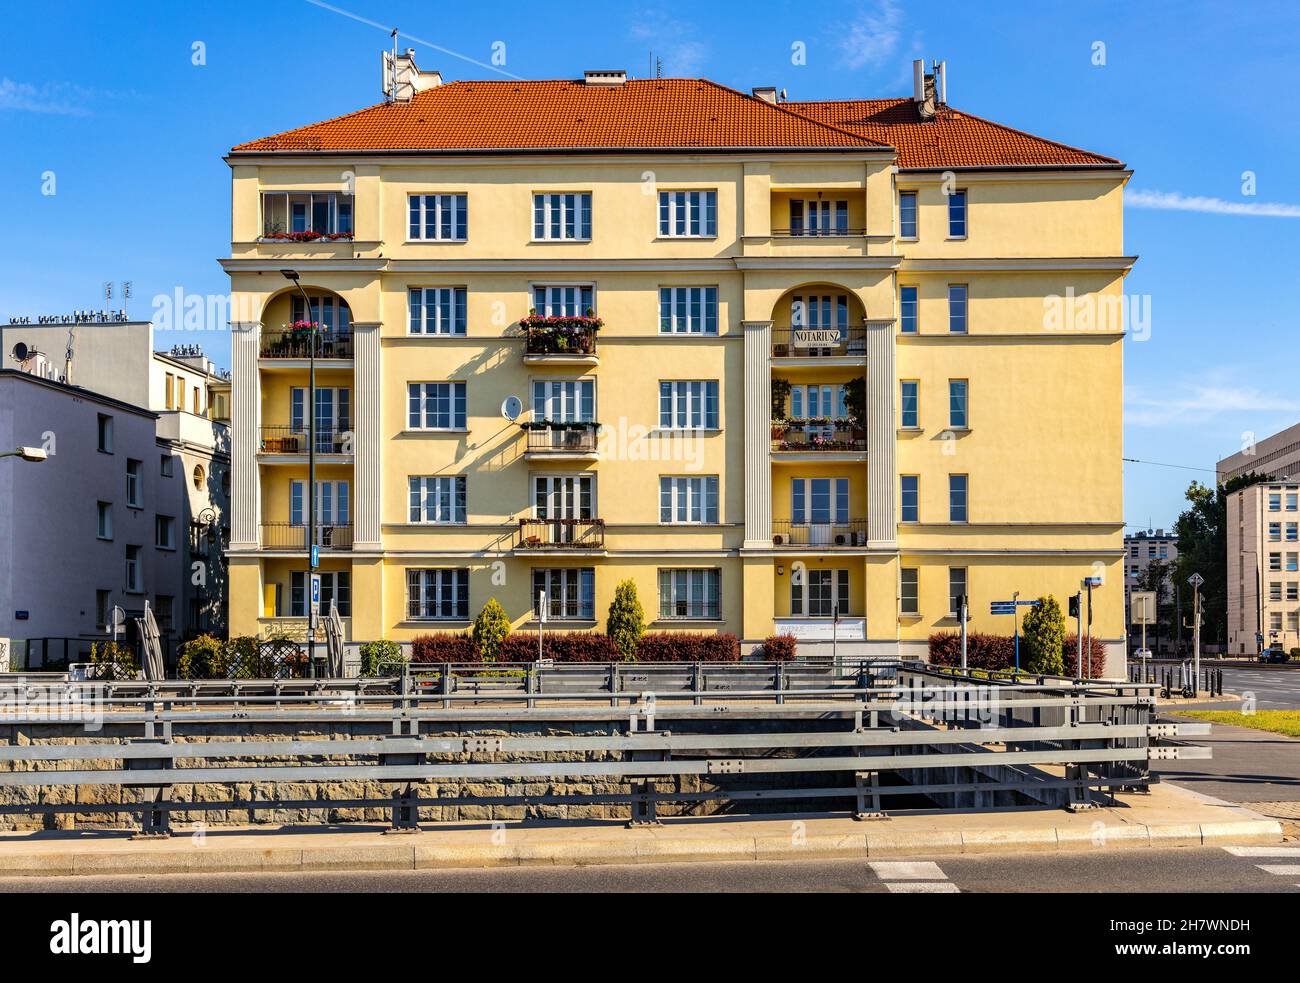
{"type": "Point", "coordinates": [821, 629]}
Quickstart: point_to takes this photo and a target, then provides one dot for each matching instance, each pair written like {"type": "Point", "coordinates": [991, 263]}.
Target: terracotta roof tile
{"type": "Point", "coordinates": [562, 114]}
{"type": "Point", "coordinates": [952, 139]}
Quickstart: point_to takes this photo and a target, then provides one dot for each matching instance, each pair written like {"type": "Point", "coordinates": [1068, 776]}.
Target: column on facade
{"type": "Point", "coordinates": [882, 434]}
{"type": "Point", "coordinates": [245, 418]}
{"type": "Point", "coordinates": [758, 434]}
{"type": "Point", "coordinates": [367, 398]}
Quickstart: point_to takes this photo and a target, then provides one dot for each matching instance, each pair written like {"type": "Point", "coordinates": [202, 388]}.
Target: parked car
{"type": "Point", "coordinates": [1274, 655]}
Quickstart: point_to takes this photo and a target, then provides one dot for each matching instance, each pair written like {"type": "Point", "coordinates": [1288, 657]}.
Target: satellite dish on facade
{"type": "Point", "coordinates": [511, 408]}
{"type": "Point", "coordinates": [21, 351]}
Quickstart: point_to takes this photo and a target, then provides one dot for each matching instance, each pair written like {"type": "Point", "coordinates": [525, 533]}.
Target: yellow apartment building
{"type": "Point", "coordinates": [770, 360]}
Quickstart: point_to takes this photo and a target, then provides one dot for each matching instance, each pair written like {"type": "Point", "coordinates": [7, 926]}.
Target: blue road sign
{"type": "Point", "coordinates": [315, 556]}
{"type": "Point", "coordinates": [1002, 607]}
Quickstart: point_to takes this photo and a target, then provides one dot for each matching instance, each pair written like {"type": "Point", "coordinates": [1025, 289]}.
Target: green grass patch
{"type": "Point", "coordinates": [1274, 721]}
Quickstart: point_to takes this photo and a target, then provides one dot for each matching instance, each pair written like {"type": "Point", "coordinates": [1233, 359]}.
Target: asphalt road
{"type": "Point", "coordinates": [1273, 689]}
{"type": "Point", "coordinates": [1184, 871]}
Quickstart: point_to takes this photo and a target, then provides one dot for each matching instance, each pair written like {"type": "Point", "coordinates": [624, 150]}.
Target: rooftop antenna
{"type": "Point", "coordinates": [659, 68]}
{"type": "Point", "coordinates": [67, 355]}
{"type": "Point", "coordinates": [392, 78]}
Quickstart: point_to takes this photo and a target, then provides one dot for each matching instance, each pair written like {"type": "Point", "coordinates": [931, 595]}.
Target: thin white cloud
{"type": "Point", "coordinates": [60, 98]}
{"type": "Point", "coordinates": [1174, 201]}
{"type": "Point", "coordinates": [674, 42]}
{"type": "Point", "coordinates": [871, 40]}
{"type": "Point", "coordinates": [1187, 403]}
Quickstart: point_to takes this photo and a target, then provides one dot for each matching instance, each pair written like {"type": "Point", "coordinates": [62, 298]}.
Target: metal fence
{"type": "Point", "coordinates": [741, 733]}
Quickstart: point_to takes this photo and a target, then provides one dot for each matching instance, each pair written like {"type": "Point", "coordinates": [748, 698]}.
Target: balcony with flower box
{"type": "Point", "coordinates": [819, 439]}
{"type": "Point", "coordinates": [550, 440]}
{"type": "Point", "coordinates": [293, 342]}
{"type": "Point", "coordinates": [560, 339]}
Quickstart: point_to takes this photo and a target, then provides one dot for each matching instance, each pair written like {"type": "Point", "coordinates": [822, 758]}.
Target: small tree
{"type": "Point", "coordinates": [626, 622]}
{"type": "Point", "coordinates": [1043, 634]}
{"type": "Point", "coordinates": [490, 629]}
{"type": "Point", "coordinates": [380, 656]}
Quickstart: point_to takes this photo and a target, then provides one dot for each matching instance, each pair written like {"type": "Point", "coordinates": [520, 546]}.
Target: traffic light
{"type": "Point", "coordinates": [1074, 605]}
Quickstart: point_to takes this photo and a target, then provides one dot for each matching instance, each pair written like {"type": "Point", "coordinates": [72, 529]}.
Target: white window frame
{"type": "Point", "coordinates": [952, 594]}
{"type": "Point", "coordinates": [914, 303]}
{"type": "Point", "coordinates": [953, 196]}
{"type": "Point", "coordinates": [444, 203]}
{"type": "Point", "coordinates": [690, 399]}
{"type": "Point", "coordinates": [702, 587]}
{"type": "Point", "coordinates": [689, 310]}
{"type": "Point", "coordinates": [453, 300]}
{"type": "Point", "coordinates": [134, 571]}
{"type": "Point", "coordinates": [333, 585]}
{"type": "Point", "coordinates": [564, 400]}
{"type": "Point", "coordinates": [802, 602]}
{"type": "Point", "coordinates": [551, 304]}
{"type": "Point", "coordinates": [450, 588]}
{"type": "Point", "coordinates": [164, 524]}
{"type": "Point", "coordinates": [688, 500]}
{"type": "Point", "coordinates": [572, 206]}
{"type": "Point", "coordinates": [437, 500]}
{"type": "Point", "coordinates": [914, 609]}
{"type": "Point", "coordinates": [419, 397]}
{"type": "Point", "coordinates": [955, 505]}
{"type": "Point", "coordinates": [134, 483]}
{"type": "Point", "coordinates": [916, 404]}
{"type": "Point", "coordinates": [964, 289]}
{"type": "Point", "coordinates": [104, 520]}
{"type": "Point", "coordinates": [576, 600]}
{"type": "Point", "coordinates": [916, 216]}
{"type": "Point", "coordinates": [695, 209]}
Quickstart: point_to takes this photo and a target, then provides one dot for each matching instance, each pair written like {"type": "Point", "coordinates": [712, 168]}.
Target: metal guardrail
{"type": "Point", "coordinates": [816, 342]}
{"type": "Point", "coordinates": [959, 740]}
{"type": "Point", "coordinates": [293, 536]}
{"type": "Point", "coordinates": [819, 535]}
{"type": "Point", "coordinates": [297, 344]}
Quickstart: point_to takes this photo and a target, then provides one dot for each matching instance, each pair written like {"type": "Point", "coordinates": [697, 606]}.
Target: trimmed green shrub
{"type": "Point", "coordinates": [445, 647]}
{"type": "Point", "coordinates": [1042, 642]}
{"type": "Point", "coordinates": [381, 656]}
{"type": "Point", "coordinates": [626, 622]}
{"type": "Point", "coordinates": [112, 660]}
{"type": "Point", "coordinates": [779, 648]}
{"type": "Point", "coordinates": [490, 629]}
{"type": "Point", "coordinates": [668, 646]}
{"type": "Point", "coordinates": [982, 651]}
{"type": "Point", "coordinates": [201, 658]}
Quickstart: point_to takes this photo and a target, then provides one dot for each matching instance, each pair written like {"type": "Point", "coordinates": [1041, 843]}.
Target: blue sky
{"type": "Point", "coordinates": [109, 100]}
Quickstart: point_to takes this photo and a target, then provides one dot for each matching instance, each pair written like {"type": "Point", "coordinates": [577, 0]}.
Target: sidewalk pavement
{"type": "Point", "coordinates": [1167, 817]}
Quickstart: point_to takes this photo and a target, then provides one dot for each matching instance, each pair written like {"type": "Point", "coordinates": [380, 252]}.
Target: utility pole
{"type": "Point", "coordinates": [961, 603]}
{"type": "Point", "coordinates": [1015, 625]}
{"type": "Point", "coordinates": [1196, 580]}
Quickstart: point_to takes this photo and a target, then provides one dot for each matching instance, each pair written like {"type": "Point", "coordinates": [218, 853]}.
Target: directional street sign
{"type": "Point", "coordinates": [1196, 580]}
{"type": "Point", "coordinates": [315, 556]}
{"type": "Point", "coordinates": [1002, 607]}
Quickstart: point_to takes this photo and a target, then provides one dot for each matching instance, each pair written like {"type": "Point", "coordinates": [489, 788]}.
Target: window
{"type": "Point", "coordinates": [441, 218]}
{"type": "Point", "coordinates": [564, 300]}
{"type": "Point", "coordinates": [1274, 562]}
{"type": "Point", "coordinates": [957, 308]}
{"type": "Point", "coordinates": [1292, 620]}
{"type": "Point", "coordinates": [688, 214]}
{"type": "Point", "coordinates": [1275, 620]}
{"type": "Point", "coordinates": [908, 499]}
{"type": "Point", "coordinates": [1275, 532]}
{"type": "Point", "coordinates": [819, 502]}
{"type": "Point", "coordinates": [1275, 590]}
{"type": "Point", "coordinates": [564, 496]}
{"type": "Point", "coordinates": [690, 594]}
{"type": "Point", "coordinates": [825, 594]}
{"type": "Point", "coordinates": [688, 405]}
{"type": "Point", "coordinates": [909, 415]}
{"type": "Point", "coordinates": [320, 212]}
{"type": "Point", "coordinates": [197, 402]}
{"type": "Point", "coordinates": [105, 520]}
{"type": "Point", "coordinates": [562, 216]}
{"type": "Point", "coordinates": [688, 501]}
{"type": "Point", "coordinates": [333, 318]}
{"type": "Point", "coordinates": [105, 433]}
{"type": "Point", "coordinates": [1292, 591]}
{"type": "Point", "coordinates": [1292, 533]}
{"type": "Point", "coordinates": [200, 477]}
{"type": "Point", "coordinates": [956, 590]}
{"type": "Point", "coordinates": [957, 484]}
{"type": "Point", "coordinates": [907, 214]}
{"type": "Point", "coordinates": [819, 311]}
{"type": "Point", "coordinates": [164, 606]}
{"type": "Point", "coordinates": [103, 608]}
{"type": "Point", "coordinates": [957, 215]}
{"type": "Point", "coordinates": [164, 532]}
{"type": "Point", "coordinates": [1164, 552]}
{"type": "Point", "coordinates": [436, 406]}
{"type": "Point", "coordinates": [332, 504]}
{"type": "Point", "coordinates": [908, 591]}
{"type": "Point", "coordinates": [169, 391]}
{"type": "Point", "coordinates": [1292, 563]}
{"type": "Point", "coordinates": [333, 416]}
{"type": "Point", "coordinates": [819, 218]}
{"type": "Point", "coordinates": [166, 465]}
{"type": "Point", "coordinates": [564, 400]}
{"type": "Point", "coordinates": [688, 310]}
{"type": "Point", "coordinates": [570, 593]}
{"type": "Point", "coordinates": [134, 484]}
{"type": "Point", "coordinates": [907, 310]}
{"type": "Point", "coordinates": [958, 418]}
{"type": "Point", "coordinates": [1291, 501]}
{"type": "Point", "coordinates": [438, 499]}
{"type": "Point", "coordinates": [436, 310]}
{"type": "Point", "coordinates": [815, 402]}
{"type": "Point", "coordinates": [134, 571]}
{"type": "Point", "coordinates": [437, 595]}
{"type": "Point", "coordinates": [1275, 501]}
{"type": "Point", "coordinates": [335, 586]}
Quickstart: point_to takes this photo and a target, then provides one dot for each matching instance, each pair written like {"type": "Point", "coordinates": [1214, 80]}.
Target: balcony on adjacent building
{"type": "Point", "coordinates": [560, 534]}
{"type": "Point", "coordinates": [819, 535]}
{"type": "Point", "coordinates": [280, 440]}
{"type": "Point", "coordinates": [293, 536]}
{"type": "Point", "coordinates": [295, 342]}
{"type": "Point", "coordinates": [560, 339]}
{"type": "Point", "coordinates": [547, 440]}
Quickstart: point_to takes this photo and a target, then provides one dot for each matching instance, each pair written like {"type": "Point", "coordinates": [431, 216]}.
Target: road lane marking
{"type": "Point", "coordinates": [907, 870]}
{"type": "Point", "coordinates": [924, 887]}
{"type": "Point", "coordinates": [1282, 870]}
{"type": "Point", "coordinates": [1264, 851]}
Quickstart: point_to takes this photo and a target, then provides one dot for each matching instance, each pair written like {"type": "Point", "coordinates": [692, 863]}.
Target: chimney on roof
{"type": "Point", "coordinates": [765, 92]}
{"type": "Point", "coordinates": [402, 79]}
{"type": "Point", "coordinates": [929, 90]}
{"type": "Point", "coordinates": [605, 76]}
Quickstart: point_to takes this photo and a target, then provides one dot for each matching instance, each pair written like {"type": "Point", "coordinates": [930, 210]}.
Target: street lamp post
{"type": "Point", "coordinates": [34, 454]}
{"type": "Point", "coordinates": [292, 275]}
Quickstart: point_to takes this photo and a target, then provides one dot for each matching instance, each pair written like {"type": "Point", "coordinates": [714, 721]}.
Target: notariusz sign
{"type": "Point", "coordinates": [814, 337]}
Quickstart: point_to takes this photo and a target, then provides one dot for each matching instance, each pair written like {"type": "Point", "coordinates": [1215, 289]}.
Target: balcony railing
{"type": "Point", "coordinates": [831, 437]}
{"type": "Point", "coordinates": [820, 535]}
{"type": "Point", "coordinates": [562, 438]}
{"type": "Point", "coordinates": [560, 534]}
{"type": "Point", "coordinates": [806, 342]}
{"type": "Point", "coordinates": [280, 439]}
{"type": "Point", "coordinates": [820, 233]}
{"type": "Point", "coordinates": [296, 343]}
{"type": "Point", "coordinates": [561, 334]}
{"type": "Point", "coordinates": [293, 536]}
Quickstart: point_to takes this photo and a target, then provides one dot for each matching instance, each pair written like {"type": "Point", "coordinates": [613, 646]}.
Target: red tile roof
{"type": "Point", "coordinates": [646, 114]}
{"type": "Point", "coordinates": [952, 139]}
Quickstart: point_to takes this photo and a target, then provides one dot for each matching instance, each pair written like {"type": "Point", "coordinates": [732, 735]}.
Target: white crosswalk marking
{"type": "Point", "coordinates": [924, 887]}
{"type": "Point", "coordinates": [1282, 870]}
{"type": "Point", "coordinates": [1264, 851]}
{"type": "Point", "coordinates": [907, 870]}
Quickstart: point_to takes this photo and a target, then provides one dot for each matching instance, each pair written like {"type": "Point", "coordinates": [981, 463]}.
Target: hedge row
{"type": "Point", "coordinates": [999, 652]}
{"type": "Point", "coordinates": [580, 646]}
